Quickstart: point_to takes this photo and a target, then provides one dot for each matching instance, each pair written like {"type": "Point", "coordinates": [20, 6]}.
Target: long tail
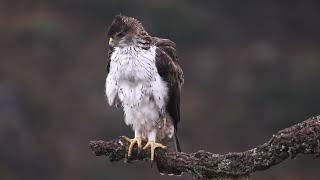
{"type": "Point", "coordinates": [176, 142]}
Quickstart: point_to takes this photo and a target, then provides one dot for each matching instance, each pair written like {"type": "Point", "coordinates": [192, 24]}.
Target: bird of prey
{"type": "Point", "coordinates": [145, 79]}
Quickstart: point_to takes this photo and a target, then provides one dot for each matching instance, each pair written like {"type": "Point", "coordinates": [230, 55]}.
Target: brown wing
{"type": "Point", "coordinates": [168, 67]}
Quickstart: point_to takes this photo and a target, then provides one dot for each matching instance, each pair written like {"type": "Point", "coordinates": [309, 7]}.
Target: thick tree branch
{"type": "Point", "coordinates": [302, 138]}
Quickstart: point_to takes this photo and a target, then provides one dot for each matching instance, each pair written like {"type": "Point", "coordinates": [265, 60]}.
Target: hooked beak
{"type": "Point", "coordinates": [111, 42]}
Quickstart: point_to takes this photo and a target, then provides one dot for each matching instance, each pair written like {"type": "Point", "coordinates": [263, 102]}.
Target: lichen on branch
{"type": "Point", "coordinates": [301, 138]}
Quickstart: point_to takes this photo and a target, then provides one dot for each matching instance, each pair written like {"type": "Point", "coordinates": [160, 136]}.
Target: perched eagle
{"type": "Point", "coordinates": [145, 78]}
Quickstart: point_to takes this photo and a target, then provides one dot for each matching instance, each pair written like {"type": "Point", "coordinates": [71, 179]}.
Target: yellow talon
{"type": "Point", "coordinates": [153, 145]}
{"type": "Point", "coordinates": [136, 140]}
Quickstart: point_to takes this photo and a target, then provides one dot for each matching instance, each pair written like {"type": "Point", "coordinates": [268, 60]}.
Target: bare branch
{"type": "Point", "coordinates": [301, 138]}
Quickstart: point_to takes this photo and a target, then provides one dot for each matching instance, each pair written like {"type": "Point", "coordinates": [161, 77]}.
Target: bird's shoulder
{"type": "Point", "coordinates": [167, 60]}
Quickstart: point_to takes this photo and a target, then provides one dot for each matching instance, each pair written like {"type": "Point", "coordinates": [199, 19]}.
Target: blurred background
{"type": "Point", "coordinates": [251, 68]}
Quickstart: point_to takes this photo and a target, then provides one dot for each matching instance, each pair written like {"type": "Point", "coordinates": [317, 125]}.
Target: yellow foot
{"type": "Point", "coordinates": [136, 140]}
{"type": "Point", "coordinates": [153, 145]}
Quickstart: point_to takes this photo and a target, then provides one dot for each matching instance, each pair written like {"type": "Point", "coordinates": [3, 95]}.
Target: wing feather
{"type": "Point", "coordinates": [168, 67]}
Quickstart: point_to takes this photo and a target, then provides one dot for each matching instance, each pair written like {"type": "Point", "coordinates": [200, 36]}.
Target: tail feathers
{"type": "Point", "coordinates": [176, 142]}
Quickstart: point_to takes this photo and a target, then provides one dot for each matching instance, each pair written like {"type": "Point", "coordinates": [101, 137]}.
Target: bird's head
{"type": "Point", "coordinates": [127, 31]}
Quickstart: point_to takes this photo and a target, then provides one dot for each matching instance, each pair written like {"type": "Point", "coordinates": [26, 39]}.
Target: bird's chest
{"type": "Point", "coordinates": [134, 72]}
{"type": "Point", "coordinates": [133, 65]}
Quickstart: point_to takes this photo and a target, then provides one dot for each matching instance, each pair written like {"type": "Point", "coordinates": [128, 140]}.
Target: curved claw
{"type": "Point", "coordinates": [153, 145]}
{"type": "Point", "coordinates": [136, 140]}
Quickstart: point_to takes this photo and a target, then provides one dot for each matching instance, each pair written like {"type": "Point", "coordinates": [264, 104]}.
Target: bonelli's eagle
{"type": "Point", "coordinates": [145, 78]}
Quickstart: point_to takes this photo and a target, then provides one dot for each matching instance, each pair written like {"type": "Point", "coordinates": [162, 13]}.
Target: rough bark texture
{"type": "Point", "coordinates": [302, 138]}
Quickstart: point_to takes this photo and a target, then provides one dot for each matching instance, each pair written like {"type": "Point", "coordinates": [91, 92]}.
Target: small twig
{"type": "Point", "coordinates": [301, 138]}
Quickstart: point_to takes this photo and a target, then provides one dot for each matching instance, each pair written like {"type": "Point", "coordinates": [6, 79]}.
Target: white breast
{"type": "Point", "coordinates": [133, 64]}
{"type": "Point", "coordinates": [133, 76]}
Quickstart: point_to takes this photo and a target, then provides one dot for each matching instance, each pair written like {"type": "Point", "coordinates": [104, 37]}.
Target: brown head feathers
{"type": "Point", "coordinates": [125, 24]}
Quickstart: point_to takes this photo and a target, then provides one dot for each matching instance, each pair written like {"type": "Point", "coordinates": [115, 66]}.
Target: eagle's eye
{"type": "Point", "coordinates": [121, 34]}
